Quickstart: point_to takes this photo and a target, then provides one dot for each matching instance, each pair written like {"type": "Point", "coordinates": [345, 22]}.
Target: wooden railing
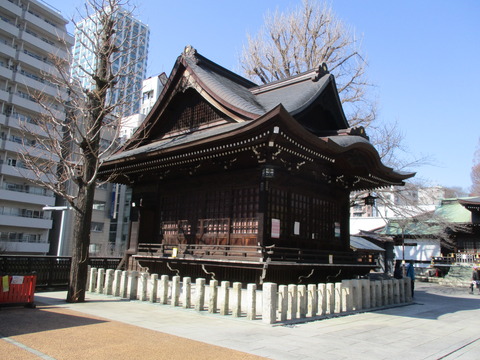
{"type": "Point", "coordinates": [201, 251]}
{"type": "Point", "coordinates": [315, 256]}
{"type": "Point", "coordinates": [250, 253]}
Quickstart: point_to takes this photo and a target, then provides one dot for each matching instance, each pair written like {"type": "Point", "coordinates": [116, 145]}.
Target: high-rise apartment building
{"type": "Point", "coordinates": [130, 63]}
{"type": "Point", "coordinates": [109, 222]}
{"type": "Point", "coordinates": [30, 33]}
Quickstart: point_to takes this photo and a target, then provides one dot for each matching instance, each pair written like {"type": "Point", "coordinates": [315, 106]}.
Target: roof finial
{"type": "Point", "coordinates": [322, 70]}
{"type": "Point", "coordinates": [189, 50]}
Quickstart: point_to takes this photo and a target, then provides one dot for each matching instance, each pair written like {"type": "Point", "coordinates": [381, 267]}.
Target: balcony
{"type": "Point", "coordinates": [38, 63]}
{"type": "Point", "coordinates": [26, 197]}
{"type": "Point", "coordinates": [26, 247]}
{"type": "Point", "coordinates": [4, 95]}
{"type": "Point", "coordinates": [36, 84]}
{"type": "Point", "coordinates": [45, 26]}
{"type": "Point", "coordinates": [43, 45]}
{"type": "Point", "coordinates": [26, 103]}
{"type": "Point", "coordinates": [20, 148]}
{"type": "Point", "coordinates": [12, 8]}
{"type": "Point", "coordinates": [20, 172]}
{"type": "Point", "coordinates": [6, 73]}
{"type": "Point", "coordinates": [3, 119]}
{"type": "Point", "coordinates": [9, 28]}
{"type": "Point", "coordinates": [25, 222]}
{"type": "Point", "coordinates": [13, 122]}
{"type": "Point", "coordinates": [7, 49]}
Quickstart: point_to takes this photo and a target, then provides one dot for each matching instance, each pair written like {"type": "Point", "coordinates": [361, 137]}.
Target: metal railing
{"type": "Point", "coordinates": [51, 271]}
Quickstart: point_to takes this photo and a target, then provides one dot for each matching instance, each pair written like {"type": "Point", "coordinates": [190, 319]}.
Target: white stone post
{"type": "Point", "coordinates": [213, 296]}
{"type": "Point", "coordinates": [396, 291]}
{"type": "Point", "coordinates": [108, 289]}
{"type": "Point", "coordinates": [292, 301]}
{"type": "Point", "coordinates": [133, 285]}
{"type": "Point", "coordinates": [143, 287]}
{"type": "Point", "coordinates": [237, 299]}
{"type": "Point", "coordinates": [338, 298]}
{"type": "Point", "coordinates": [100, 281]}
{"type": "Point", "coordinates": [251, 301]}
{"type": "Point", "coordinates": [385, 292]}
{"type": "Point", "coordinates": [302, 301]}
{"type": "Point", "coordinates": [312, 300]}
{"type": "Point", "coordinates": [87, 286]}
{"type": "Point", "coordinates": [357, 294]}
{"type": "Point", "coordinates": [408, 290]}
{"type": "Point", "coordinates": [322, 299]}
{"type": "Point", "coordinates": [176, 290]}
{"type": "Point", "coordinates": [223, 298]}
{"type": "Point", "coordinates": [402, 287]}
{"type": "Point", "coordinates": [164, 289]}
{"type": "Point", "coordinates": [117, 282]}
{"type": "Point", "coordinates": [330, 297]}
{"type": "Point", "coordinates": [378, 292]}
{"type": "Point", "coordinates": [347, 296]}
{"type": "Point", "coordinates": [366, 304]}
{"type": "Point", "coordinates": [187, 292]}
{"type": "Point", "coordinates": [199, 294]}
{"type": "Point", "coordinates": [93, 280]}
{"type": "Point", "coordinates": [154, 289]}
{"type": "Point", "coordinates": [390, 292]}
{"type": "Point", "coordinates": [269, 311]}
{"type": "Point", "coordinates": [283, 301]}
{"type": "Point", "coordinates": [124, 285]}
{"type": "Point", "coordinates": [373, 294]}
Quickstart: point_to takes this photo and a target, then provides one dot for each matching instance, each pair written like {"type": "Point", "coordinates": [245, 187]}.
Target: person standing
{"type": "Point", "coordinates": [411, 274]}
{"type": "Point", "coordinates": [475, 280]}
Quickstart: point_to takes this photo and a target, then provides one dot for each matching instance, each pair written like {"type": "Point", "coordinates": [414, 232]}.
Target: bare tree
{"type": "Point", "coordinates": [73, 141]}
{"type": "Point", "coordinates": [291, 43]}
{"type": "Point", "coordinates": [475, 173]}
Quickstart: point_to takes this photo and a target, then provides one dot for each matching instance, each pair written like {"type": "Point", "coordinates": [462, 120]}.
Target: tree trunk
{"type": "Point", "coordinates": [81, 234]}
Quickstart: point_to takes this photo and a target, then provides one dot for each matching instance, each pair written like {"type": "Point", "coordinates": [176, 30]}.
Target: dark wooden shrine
{"type": "Point", "coordinates": [250, 183]}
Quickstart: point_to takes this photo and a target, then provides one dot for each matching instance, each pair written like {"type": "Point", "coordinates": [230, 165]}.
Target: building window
{"type": "Point", "coordinates": [96, 227]}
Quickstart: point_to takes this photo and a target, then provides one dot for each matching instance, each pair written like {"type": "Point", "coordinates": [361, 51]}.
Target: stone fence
{"type": "Point", "coordinates": [273, 303]}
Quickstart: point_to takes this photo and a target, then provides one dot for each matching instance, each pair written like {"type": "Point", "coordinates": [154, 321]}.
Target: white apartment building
{"type": "Point", "coordinates": [130, 65]}
{"type": "Point", "coordinates": [30, 33]}
{"type": "Point", "coordinates": [151, 89]}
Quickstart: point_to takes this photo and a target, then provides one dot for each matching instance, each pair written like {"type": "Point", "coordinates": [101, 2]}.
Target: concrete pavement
{"type": "Point", "coordinates": [443, 323]}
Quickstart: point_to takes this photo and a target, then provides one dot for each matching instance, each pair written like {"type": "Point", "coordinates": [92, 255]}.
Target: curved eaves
{"type": "Point", "coordinates": [346, 143]}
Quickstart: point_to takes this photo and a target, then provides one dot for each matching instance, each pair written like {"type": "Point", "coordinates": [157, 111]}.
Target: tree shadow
{"type": "Point", "coordinates": [432, 303]}
{"type": "Point", "coordinates": [20, 321]}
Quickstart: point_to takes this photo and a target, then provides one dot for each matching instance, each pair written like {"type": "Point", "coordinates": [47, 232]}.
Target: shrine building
{"type": "Point", "coordinates": [243, 182]}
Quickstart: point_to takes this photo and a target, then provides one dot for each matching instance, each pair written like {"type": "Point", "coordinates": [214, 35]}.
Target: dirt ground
{"type": "Point", "coordinates": [65, 334]}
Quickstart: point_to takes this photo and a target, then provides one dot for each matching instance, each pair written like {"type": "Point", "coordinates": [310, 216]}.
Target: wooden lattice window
{"type": "Point", "coordinates": [244, 211]}
{"type": "Point", "coordinates": [189, 111]}
{"type": "Point", "coordinates": [303, 216]}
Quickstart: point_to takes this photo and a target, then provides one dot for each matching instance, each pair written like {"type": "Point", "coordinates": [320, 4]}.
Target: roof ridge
{"type": "Point", "coordinates": [312, 74]}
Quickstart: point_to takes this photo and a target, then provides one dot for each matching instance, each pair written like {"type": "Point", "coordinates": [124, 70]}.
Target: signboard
{"type": "Point", "coordinates": [275, 229]}
{"type": "Point", "coordinates": [296, 228]}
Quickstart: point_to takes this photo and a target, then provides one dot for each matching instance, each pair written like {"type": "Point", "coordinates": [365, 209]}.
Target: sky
{"type": "Point", "coordinates": [423, 59]}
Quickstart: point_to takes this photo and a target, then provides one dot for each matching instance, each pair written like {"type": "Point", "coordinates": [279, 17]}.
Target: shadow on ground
{"type": "Point", "coordinates": [433, 301]}
{"type": "Point", "coordinates": [19, 321]}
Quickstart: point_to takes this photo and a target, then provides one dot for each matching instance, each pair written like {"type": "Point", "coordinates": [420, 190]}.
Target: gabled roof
{"type": "Point", "coordinates": [307, 107]}
{"type": "Point", "coordinates": [242, 99]}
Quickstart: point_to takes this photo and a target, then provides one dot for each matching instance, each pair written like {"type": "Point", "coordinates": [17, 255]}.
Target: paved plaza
{"type": "Point", "coordinates": [442, 323]}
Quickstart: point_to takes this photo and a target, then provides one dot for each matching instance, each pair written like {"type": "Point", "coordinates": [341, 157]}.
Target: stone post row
{"type": "Point", "coordinates": [285, 302]}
